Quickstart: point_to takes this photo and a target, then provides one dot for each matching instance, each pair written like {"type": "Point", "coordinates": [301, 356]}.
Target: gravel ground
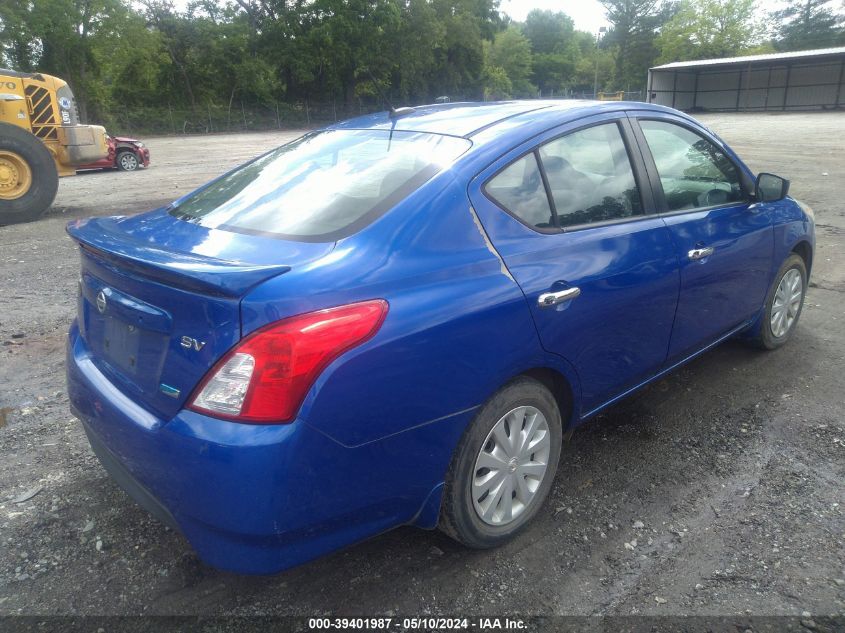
{"type": "Point", "coordinates": [716, 491]}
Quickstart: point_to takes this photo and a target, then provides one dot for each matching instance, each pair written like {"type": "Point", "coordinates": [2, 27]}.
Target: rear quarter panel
{"type": "Point", "coordinates": [458, 325]}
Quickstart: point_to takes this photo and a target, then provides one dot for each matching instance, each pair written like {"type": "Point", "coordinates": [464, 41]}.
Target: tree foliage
{"type": "Point", "coordinates": [634, 25]}
{"type": "Point", "coordinates": [555, 48]}
{"type": "Point", "coordinates": [806, 24]}
{"type": "Point", "coordinates": [120, 55]}
{"type": "Point", "coordinates": [708, 29]}
{"type": "Point", "coordinates": [510, 55]}
{"type": "Point", "coordinates": [71, 37]}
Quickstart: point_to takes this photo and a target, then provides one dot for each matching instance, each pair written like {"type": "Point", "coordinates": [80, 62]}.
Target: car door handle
{"type": "Point", "coordinates": [700, 253]}
{"type": "Point", "coordinates": [548, 299]}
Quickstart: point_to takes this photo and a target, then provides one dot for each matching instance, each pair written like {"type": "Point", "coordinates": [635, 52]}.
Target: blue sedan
{"type": "Point", "coordinates": [397, 320]}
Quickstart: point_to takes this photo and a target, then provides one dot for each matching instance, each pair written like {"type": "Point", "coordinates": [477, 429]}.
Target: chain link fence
{"type": "Point", "coordinates": [235, 117]}
{"type": "Point", "coordinates": [238, 116]}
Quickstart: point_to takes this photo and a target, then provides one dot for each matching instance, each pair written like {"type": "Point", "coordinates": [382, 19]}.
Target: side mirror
{"type": "Point", "coordinates": [771, 188]}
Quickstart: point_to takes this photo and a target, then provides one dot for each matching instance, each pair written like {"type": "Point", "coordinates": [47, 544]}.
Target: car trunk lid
{"type": "Point", "coordinates": [159, 298]}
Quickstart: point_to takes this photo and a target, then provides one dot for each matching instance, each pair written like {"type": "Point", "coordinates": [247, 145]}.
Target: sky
{"type": "Point", "coordinates": [587, 14]}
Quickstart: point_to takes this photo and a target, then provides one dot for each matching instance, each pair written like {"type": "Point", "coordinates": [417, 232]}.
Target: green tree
{"type": "Point", "coordinates": [497, 84]}
{"type": "Point", "coordinates": [555, 49]}
{"type": "Point", "coordinates": [510, 52]}
{"type": "Point", "coordinates": [596, 64]}
{"type": "Point", "coordinates": [348, 37]}
{"type": "Point", "coordinates": [178, 37]}
{"type": "Point", "coordinates": [133, 66]}
{"type": "Point", "coordinates": [709, 29]}
{"type": "Point", "coordinates": [17, 46]}
{"type": "Point", "coordinates": [634, 25]}
{"type": "Point", "coordinates": [548, 31]}
{"type": "Point", "coordinates": [142, 60]}
{"type": "Point", "coordinates": [67, 38]}
{"type": "Point", "coordinates": [223, 58]}
{"type": "Point", "coordinates": [460, 60]}
{"type": "Point", "coordinates": [806, 24]}
{"type": "Point", "coordinates": [420, 48]}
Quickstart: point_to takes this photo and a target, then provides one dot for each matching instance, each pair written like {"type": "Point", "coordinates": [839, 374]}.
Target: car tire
{"type": "Point", "coordinates": [127, 161]}
{"type": "Point", "coordinates": [483, 519]}
{"type": "Point", "coordinates": [23, 155]}
{"type": "Point", "coordinates": [784, 303]}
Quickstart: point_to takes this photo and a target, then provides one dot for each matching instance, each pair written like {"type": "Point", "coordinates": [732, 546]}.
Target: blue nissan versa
{"type": "Point", "coordinates": [397, 319]}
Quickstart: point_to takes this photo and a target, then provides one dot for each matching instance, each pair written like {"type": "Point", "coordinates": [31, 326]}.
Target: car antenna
{"type": "Point", "coordinates": [394, 113]}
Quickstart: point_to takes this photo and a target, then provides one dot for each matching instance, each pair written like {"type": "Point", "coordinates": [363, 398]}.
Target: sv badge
{"type": "Point", "coordinates": [191, 343]}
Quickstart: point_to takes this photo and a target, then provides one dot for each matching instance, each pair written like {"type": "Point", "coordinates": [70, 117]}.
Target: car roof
{"type": "Point", "coordinates": [471, 118]}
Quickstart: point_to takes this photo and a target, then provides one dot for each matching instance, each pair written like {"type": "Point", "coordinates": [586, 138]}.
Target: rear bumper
{"type": "Point", "coordinates": [125, 480]}
{"type": "Point", "coordinates": [251, 498]}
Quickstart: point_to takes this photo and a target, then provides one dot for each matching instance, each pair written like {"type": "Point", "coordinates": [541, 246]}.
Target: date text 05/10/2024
{"type": "Point", "coordinates": [416, 623]}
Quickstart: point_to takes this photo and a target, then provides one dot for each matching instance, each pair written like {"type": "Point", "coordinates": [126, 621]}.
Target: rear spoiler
{"type": "Point", "coordinates": [104, 239]}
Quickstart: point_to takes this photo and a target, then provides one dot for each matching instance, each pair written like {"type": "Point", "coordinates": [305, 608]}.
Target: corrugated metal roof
{"type": "Point", "coordinates": [726, 61]}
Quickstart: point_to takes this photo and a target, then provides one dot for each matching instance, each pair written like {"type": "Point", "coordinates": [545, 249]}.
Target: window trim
{"type": "Point", "coordinates": [547, 187]}
{"type": "Point", "coordinates": [648, 203]}
{"type": "Point", "coordinates": [542, 230]}
{"type": "Point", "coordinates": [654, 174]}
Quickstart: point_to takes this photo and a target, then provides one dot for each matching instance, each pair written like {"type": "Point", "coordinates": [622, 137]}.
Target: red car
{"type": "Point", "coordinates": [127, 154]}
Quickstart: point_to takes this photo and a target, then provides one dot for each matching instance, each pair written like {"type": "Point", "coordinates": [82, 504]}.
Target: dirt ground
{"type": "Point", "coordinates": [716, 491]}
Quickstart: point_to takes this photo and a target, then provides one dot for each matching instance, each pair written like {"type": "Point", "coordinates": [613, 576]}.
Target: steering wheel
{"type": "Point", "coordinates": [713, 197]}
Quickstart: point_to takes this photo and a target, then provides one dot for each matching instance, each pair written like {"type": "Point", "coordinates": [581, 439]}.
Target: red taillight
{"type": "Point", "coordinates": [264, 379]}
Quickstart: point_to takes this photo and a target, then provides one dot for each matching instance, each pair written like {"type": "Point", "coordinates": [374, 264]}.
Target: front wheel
{"type": "Point", "coordinates": [504, 466]}
{"type": "Point", "coordinates": [127, 161]}
{"type": "Point", "coordinates": [783, 304]}
{"type": "Point", "coordinates": [28, 175]}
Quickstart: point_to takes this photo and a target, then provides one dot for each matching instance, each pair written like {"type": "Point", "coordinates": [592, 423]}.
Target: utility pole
{"type": "Point", "coordinates": [602, 29]}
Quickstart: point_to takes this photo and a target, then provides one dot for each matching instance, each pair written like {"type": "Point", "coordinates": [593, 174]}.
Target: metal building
{"type": "Point", "coordinates": [801, 80]}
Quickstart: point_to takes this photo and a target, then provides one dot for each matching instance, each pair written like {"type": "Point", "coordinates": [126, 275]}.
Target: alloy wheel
{"type": "Point", "coordinates": [128, 161]}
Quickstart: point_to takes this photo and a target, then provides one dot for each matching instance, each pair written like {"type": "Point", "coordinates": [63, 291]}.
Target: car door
{"type": "Point", "coordinates": [725, 243]}
{"type": "Point", "coordinates": [572, 216]}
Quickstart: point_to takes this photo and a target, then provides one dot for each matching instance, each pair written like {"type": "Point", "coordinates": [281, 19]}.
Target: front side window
{"type": "Point", "coordinates": [590, 176]}
{"type": "Point", "coordinates": [693, 172]}
{"type": "Point", "coordinates": [323, 186]}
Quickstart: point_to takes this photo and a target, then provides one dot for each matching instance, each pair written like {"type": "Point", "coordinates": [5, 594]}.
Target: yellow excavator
{"type": "Point", "coordinates": [40, 140]}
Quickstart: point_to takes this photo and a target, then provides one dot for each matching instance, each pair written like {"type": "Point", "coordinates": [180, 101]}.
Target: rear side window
{"type": "Point", "coordinates": [694, 173]}
{"type": "Point", "coordinates": [519, 189]}
{"type": "Point", "coordinates": [590, 176]}
{"type": "Point", "coordinates": [323, 186]}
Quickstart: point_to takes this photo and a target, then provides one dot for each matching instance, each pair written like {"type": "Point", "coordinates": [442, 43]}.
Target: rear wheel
{"type": "Point", "coordinates": [783, 304]}
{"type": "Point", "coordinates": [127, 161]}
{"type": "Point", "coordinates": [28, 175]}
{"type": "Point", "coordinates": [503, 467]}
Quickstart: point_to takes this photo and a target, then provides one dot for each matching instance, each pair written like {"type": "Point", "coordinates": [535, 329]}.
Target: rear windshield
{"type": "Point", "coordinates": [323, 186]}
